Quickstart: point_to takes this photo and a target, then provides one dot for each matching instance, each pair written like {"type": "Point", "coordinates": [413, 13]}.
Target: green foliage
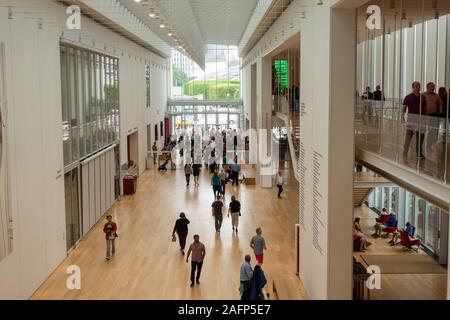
{"type": "Point", "coordinates": [179, 77]}
{"type": "Point", "coordinates": [111, 92]}
{"type": "Point", "coordinates": [214, 90]}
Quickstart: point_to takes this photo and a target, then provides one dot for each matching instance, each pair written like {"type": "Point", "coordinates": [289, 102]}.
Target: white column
{"type": "Point", "coordinates": [264, 111]}
{"type": "Point", "coordinates": [328, 60]}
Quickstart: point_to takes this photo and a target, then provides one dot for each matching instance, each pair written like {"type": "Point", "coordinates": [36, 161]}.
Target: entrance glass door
{"type": "Point", "coordinates": [73, 220]}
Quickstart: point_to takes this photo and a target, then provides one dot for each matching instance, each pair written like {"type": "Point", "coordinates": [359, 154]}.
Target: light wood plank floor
{"type": "Point", "coordinates": [399, 286]}
{"type": "Point", "coordinates": [149, 266]}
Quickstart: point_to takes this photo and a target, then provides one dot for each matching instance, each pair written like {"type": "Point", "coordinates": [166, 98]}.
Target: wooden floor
{"type": "Point", "coordinates": [149, 266]}
{"type": "Point", "coordinates": [399, 286]}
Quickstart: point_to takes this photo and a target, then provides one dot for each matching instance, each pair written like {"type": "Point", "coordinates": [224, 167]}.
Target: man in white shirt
{"type": "Point", "coordinates": [280, 184]}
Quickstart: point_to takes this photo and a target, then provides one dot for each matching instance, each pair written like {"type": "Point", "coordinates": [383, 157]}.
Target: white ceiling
{"type": "Point", "coordinates": [223, 21]}
{"type": "Point", "coordinates": [196, 23]}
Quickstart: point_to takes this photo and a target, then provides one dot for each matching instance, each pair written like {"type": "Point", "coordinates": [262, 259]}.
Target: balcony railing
{"type": "Point", "coordinates": [420, 142]}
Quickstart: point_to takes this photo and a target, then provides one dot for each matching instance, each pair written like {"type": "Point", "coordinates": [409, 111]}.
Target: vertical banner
{"type": "Point", "coordinates": [166, 127]}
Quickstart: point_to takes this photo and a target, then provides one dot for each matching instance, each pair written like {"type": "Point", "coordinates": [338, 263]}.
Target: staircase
{"type": "Point", "coordinates": [360, 195]}
{"type": "Point", "coordinates": [295, 120]}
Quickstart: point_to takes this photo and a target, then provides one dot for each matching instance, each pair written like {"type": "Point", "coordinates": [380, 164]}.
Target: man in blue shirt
{"type": "Point", "coordinates": [235, 169]}
{"type": "Point", "coordinates": [246, 277]}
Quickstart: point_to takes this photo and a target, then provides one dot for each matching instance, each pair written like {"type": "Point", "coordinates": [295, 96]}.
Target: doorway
{"type": "Point", "coordinates": [73, 216]}
{"type": "Point", "coordinates": [133, 152]}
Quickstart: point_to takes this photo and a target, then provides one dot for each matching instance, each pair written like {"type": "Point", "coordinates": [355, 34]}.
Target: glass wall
{"type": "Point", "coordinates": [90, 101]}
{"type": "Point", "coordinates": [403, 81]}
{"type": "Point", "coordinates": [286, 81]}
{"type": "Point", "coordinates": [425, 216]}
{"type": "Point", "coordinates": [221, 79]}
{"type": "Point", "coordinates": [203, 118]}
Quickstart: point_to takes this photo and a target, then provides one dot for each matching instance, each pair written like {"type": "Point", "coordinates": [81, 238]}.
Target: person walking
{"type": "Point", "coordinates": [235, 210]}
{"type": "Point", "coordinates": [216, 185]}
{"type": "Point", "coordinates": [416, 105]}
{"type": "Point", "coordinates": [434, 110]}
{"type": "Point", "coordinates": [110, 230]}
{"type": "Point", "coordinates": [187, 173]}
{"type": "Point", "coordinates": [196, 172]}
{"type": "Point", "coordinates": [258, 244]}
{"type": "Point", "coordinates": [223, 181]}
{"type": "Point", "coordinates": [217, 206]}
{"type": "Point", "coordinates": [280, 182]}
{"type": "Point", "coordinates": [155, 152]}
{"type": "Point", "coordinates": [181, 228]}
{"type": "Point", "coordinates": [246, 275]}
{"type": "Point", "coordinates": [198, 255]}
{"type": "Point", "coordinates": [235, 170]}
{"type": "Point", "coordinates": [258, 282]}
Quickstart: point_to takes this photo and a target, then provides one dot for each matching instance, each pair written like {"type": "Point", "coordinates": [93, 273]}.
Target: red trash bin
{"type": "Point", "coordinates": [129, 184]}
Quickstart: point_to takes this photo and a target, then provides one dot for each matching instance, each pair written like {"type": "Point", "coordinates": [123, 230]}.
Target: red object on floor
{"type": "Point", "coordinates": [129, 184]}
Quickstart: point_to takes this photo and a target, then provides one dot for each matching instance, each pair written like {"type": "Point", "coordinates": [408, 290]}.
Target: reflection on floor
{"type": "Point", "coordinates": [399, 286]}
{"type": "Point", "coordinates": [149, 266]}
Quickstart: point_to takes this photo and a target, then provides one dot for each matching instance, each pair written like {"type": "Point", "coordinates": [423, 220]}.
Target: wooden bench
{"type": "Point", "coordinates": [288, 288]}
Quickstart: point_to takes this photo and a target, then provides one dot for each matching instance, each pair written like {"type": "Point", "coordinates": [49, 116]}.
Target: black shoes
{"type": "Point", "coordinates": [192, 284]}
{"type": "Point", "coordinates": [198, 281]}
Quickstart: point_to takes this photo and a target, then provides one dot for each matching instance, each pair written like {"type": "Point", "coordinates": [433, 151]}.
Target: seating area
{"type": "Point", "coordinates": [402, 265]}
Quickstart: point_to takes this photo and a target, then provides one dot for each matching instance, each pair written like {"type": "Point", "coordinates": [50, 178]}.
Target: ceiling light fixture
{"type": "Point", "coordinates": [162, 25]}
{"type": "Point", "coordinates": [137, 1]}
{"type": "Point", "coordinates": [152, 13]}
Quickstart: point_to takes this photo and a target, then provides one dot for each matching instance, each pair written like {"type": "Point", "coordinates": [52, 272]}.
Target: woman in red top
{"type": "Point", "coordinates": [110, 230]}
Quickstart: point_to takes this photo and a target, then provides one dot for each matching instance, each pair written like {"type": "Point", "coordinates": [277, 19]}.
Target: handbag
{"type": "Point", "coordinates": [174, 238]}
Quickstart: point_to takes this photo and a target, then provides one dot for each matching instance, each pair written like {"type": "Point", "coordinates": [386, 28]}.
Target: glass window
{"type": "Point", "coordinates": [410, 204]}
{"type": "Point", "coordinates": [394, 200]}
{"type": "Point", "coordinates": [432, 227]}
{"type": "Point", "coordinates": [219, 81]}
{"type": "Point", "coordinates": [420, 218]}
{"type": "Point", "coordinates": [90, 101]}
{"type": "Point", "coordinates": [386, 198]}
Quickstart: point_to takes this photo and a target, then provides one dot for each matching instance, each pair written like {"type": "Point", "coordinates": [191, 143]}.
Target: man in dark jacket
{"type": "Point", "coordinates": [181, 228]}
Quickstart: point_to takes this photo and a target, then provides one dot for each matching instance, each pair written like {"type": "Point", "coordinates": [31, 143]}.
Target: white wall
{"type": "Point", "coordinates": [327, 92]}
{"type": "Point", "coordinates": [34, 128]}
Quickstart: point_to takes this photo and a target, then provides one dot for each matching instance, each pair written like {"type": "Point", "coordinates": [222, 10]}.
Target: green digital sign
{"type": "Point", "coordinates": [282, 74]}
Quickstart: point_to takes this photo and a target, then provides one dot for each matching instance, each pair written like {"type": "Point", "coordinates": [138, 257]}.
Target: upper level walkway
{"type": "Point", "coordinates": [387, 141]}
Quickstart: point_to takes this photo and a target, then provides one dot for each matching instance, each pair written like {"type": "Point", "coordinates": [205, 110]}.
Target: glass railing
{"type": "Point", "coordinates": [420, 142]}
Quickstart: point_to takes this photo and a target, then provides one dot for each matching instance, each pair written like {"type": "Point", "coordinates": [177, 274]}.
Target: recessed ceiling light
{"type": "Point", "coordinates": [137, 1]}
{"type": "Point", "coordinates": [162, 25]}
{"type": "Point", "coordinates": [152, 14]}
